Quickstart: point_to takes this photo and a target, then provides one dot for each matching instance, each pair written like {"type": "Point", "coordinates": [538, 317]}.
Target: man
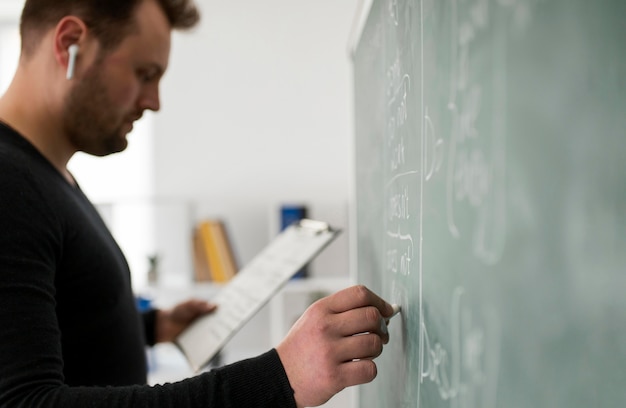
{"type": "Point", "coordinates": [70, 335]}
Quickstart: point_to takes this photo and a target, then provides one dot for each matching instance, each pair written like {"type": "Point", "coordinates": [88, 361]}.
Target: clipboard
{"type": "Point", "coordinates": [252, 287]}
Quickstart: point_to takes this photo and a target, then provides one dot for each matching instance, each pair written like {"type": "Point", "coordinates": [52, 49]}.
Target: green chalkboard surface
{"type": "Point", "coordinates": [491, 200]}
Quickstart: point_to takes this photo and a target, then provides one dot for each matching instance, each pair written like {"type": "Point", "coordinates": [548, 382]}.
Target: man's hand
{"type": "Point", "coordinates": [332, 345]}
{"type": "Point", "coordinates": [170, 323]}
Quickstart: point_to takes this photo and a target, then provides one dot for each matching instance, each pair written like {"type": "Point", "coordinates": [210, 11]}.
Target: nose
{"type": "Point", "coordinates": [149, 98]}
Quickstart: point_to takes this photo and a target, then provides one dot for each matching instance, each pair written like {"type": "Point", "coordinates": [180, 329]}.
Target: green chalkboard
{"type": "Point", "coordinates": [491, 200]}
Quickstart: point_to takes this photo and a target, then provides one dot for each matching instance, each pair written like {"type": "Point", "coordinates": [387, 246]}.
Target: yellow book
{"type": "Point", "coordinates": [217, 250]}
{"type": "Point", "coordinates": [225, 251]}
{"type": "Point", "coordinates": [202, 272]}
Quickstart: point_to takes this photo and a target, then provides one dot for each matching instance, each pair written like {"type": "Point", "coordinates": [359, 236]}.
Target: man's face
{"type": "Point", "coordinates": [119, 85]}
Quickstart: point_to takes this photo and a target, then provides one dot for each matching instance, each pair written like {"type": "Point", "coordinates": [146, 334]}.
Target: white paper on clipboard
{"type": "Point", "coordinates": [252, 287]}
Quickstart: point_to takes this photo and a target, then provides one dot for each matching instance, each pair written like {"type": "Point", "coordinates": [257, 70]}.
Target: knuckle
{"type": "Point", "coordinates": [376, 345]}
{"type": "Point", "coordinates": [371, 346]}
{"type": "Point", "coordinates": [317, 306]}
{"type": "Point", "coordinates": [333, 379]}
{"type": "Point", "coordinates": [323, 326]}
{"type": "Point", "coordinates": [361, 292]}
{"type": "Point", "coordinates": [372, 316]}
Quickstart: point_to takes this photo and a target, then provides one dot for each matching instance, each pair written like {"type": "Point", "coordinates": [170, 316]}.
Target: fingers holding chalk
{"type": "Point", "coordinates": [396, 309]}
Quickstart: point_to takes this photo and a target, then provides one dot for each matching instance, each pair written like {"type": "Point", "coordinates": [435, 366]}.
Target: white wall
{"type": "Point", "coordinates": [257, 110]}
{"type": "Point", "coordinates": [10, 10]}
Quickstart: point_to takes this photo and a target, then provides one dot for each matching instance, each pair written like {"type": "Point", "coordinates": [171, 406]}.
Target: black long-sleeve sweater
{"type": "Point", "coordinates": [70, 334]}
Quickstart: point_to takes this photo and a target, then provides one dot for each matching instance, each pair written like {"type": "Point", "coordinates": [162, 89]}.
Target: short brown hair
{"type": "Point", "coordinates": [109, 20]}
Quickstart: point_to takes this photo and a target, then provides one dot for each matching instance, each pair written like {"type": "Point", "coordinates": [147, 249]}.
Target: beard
{"type": "Point", "coordinates": [91, 120]}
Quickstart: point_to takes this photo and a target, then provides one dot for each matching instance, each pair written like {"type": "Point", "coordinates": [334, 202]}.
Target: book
{"type": "Point", "coordinates": [214, 258]}
{"type": "Point", "coordinates": [202, 273]}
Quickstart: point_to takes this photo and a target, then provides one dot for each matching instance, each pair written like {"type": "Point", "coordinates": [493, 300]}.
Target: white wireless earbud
{"type": "Point", "coordinates": [71, 63]}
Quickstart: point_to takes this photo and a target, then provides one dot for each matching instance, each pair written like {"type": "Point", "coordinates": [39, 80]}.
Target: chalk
{"type": "Point", "coordinates": [383, 325]}
{"type": "Point", "coordinates": [396, 309]}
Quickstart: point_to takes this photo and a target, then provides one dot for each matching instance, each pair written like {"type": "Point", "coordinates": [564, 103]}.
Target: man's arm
{"type": "Point", "coordinates": [31, 342]}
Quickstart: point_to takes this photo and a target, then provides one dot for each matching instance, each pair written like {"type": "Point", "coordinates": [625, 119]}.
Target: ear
{"type": "Point", "coordinates": [69, 31]}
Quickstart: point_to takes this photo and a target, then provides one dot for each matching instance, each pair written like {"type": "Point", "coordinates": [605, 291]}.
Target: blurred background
{"type": "Point", "coordinates": [257, 112]}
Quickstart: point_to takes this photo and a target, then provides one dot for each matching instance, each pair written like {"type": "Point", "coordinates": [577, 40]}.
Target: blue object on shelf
{"type": "Point", "coordinates": [290, 213]}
